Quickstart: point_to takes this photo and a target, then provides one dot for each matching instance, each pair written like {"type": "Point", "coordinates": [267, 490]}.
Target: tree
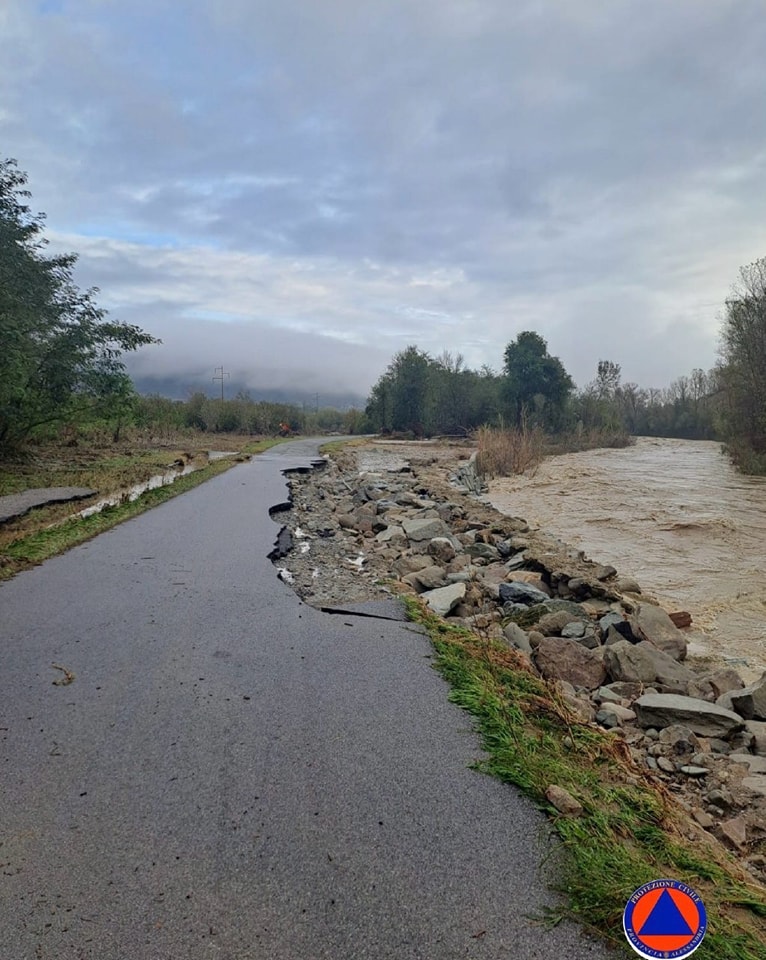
{"type": "Point", "coordinates": [398, 399]}
{"type": "Point", "coordinates": [536, 382]}
{"type": "Point", "coordinates": [61, 357]}
{"type": "Point", "coordinates": [743, 355]}
{"type": "Point", "coordinates": [607, 381]}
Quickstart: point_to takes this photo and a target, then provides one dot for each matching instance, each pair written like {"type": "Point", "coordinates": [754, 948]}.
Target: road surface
{"type": "Point", "coordinates": [233, 775]}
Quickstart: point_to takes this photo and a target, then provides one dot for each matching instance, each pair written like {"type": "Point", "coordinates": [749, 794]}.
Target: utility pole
{"type": "Point", "coordinates": [317, 402]}
{"type": "Point", "coordinates": [220, 376]}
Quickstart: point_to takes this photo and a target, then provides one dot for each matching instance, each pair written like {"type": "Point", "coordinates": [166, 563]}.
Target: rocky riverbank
{"type": "Point", "coordinates": [385, 519]}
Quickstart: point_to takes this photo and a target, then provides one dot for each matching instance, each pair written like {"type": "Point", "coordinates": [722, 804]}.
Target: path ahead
{"type": "Point", "coordinates": [233, 775]}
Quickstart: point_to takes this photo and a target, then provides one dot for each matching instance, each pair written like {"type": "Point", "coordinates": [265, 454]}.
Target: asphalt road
{"type": "Point", "coordinates": [233, 775]}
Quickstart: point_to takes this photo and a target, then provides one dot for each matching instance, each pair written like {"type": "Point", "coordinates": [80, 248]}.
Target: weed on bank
{"type": "Point", "coordinates": [630, 832]}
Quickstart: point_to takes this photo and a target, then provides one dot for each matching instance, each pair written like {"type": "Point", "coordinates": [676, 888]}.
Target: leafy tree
{"type": "Point", "coordinates": [743, 370]}
{"type": "Point", "coordinates": [398, 399]}
{"type": "Point", "coordinates": [61, 356]}
{"type": "Point", "coordinates": [536, 382]}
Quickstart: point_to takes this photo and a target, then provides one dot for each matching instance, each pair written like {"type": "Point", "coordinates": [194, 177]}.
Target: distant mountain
{"type": "Point", "coordinates": [180, 388]}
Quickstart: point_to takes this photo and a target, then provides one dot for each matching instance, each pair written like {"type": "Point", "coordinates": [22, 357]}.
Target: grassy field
{"type": "Point", "coordinates": [50, 530]}
{"type": "Point", "coordinates": [630, 832]}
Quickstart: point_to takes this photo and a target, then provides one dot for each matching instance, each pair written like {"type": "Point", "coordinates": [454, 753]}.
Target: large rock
{"type": "Point", "coordinates": [425, 528]}
{"type": "Point", "coordinates": [749, 702]}
{"type": "Point", "coordinates": [517, 637]}
{"type": "Point", "coordinates": [551, 624]}
{"type": "Point", "coordinates": [559, 659]}
{"type": "Point", "coordinates": [482, 551]}
{"type": "Point", "coordinates": [429, 578]}
{"type": "Point", "coordinates": [723, 680]}
{"type": "Point", "coordinates": [657, 627]}
{"type": "Point", "coordinates": [405, 565]}
{"type": "Point", "coordinates": [441, 549]}
{"type": "Point", "coordinates": [390, 535]}
{"type": "Point", "coordinates": [644, 663]}
{"type": "Point", "coordinates": [757, 729]}
{"type": "Point", "coordinates": [515, 592]}
{"type": "Point", "coordinates": [444, 599]}
{"type": "Point", "coordinates": [703, 718]}
{"type": "Point", "coordinates": [576, 609]}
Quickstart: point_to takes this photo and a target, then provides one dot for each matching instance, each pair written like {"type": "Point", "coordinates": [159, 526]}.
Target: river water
{"type": "Point", "coordinates": [675, 515]}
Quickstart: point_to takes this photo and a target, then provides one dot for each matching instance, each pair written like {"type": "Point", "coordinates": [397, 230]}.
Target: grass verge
{"type": "Point", "coordinates": [631, 831]}
{"type": "Point", "coordinates": [47, 533]}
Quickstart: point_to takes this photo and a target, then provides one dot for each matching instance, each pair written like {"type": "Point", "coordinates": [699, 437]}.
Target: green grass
{"type": "Point", "coordinates": [631, 831]}
{"type": "Point", "coordinates": [44, 540]}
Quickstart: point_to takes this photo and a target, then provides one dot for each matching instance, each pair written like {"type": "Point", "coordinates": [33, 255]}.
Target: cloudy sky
{"type": "Point", "coordinates": [297, 189]}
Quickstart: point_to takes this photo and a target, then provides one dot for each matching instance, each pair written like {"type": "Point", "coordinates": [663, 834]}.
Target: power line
{"type": "Point", "coordinates": [220, 376]}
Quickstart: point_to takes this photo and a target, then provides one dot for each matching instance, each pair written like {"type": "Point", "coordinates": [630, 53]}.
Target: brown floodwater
{"type": "Point", "coordinates": [675, 515]}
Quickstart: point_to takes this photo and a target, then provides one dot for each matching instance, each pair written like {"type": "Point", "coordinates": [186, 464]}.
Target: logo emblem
{"type": "Point", "coordinates": [664, 920]}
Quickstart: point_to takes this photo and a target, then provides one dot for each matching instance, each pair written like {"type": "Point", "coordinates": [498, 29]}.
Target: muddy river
{"type": "Point", "coordinates": [675, 515]}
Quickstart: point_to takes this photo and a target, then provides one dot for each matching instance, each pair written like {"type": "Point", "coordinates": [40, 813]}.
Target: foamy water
{"type": "Point", "coordinates": [675, 515]}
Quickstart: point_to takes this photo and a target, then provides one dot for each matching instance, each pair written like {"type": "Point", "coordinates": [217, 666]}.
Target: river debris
{"type": "Point", "coordinates": [618, 661]}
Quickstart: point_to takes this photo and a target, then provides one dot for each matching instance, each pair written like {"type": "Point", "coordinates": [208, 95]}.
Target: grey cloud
{"type": "Point", "coordinates": [589, 170]}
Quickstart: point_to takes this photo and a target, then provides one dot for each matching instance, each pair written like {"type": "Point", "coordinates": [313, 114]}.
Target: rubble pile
{"type": "Point", "coordinates": [620, 660]}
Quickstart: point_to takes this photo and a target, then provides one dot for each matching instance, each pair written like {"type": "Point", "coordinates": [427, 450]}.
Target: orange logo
{"type": "Point", "coordinates": [664, 920]}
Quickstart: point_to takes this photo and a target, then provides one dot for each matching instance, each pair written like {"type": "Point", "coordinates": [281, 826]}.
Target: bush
{"type": "Point", "coordinates": [505, 452]}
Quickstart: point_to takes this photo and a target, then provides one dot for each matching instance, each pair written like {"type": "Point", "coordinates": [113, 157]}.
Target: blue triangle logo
{"type": "Point", "coordinates": [665, 920]}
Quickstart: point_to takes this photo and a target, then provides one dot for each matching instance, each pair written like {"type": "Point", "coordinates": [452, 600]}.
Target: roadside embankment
{"type": "Point", "coordinates": [607, 674]}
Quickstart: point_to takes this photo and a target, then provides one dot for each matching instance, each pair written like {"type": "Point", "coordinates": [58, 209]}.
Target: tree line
{"type": "Point", "coordinates": [62, 363]}
{"type": "Point", "coordinates": [426, 396]}
{"type": "Point", "coordinates": [420, 395]}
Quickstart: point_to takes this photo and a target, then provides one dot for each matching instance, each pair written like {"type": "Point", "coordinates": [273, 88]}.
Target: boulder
{"type": "Point", "coordinates": [552, 624]}
{"type": "Point", "coordinates": [748, 702]}
{"type": "Point", "coordinates": [405, 565]}
{"type": "Point", "coordinates": [657, 627]}
{"type": "Point", "coordinates": [628, 585]}
{"type": "Point", "coordinates": [625, 689]}
{"type": "Point", "coordinates": [705, 719]}
{"type": "Point", "coordinates": [609, 620]}
{"type": "Point", "coordinates": [559, 659]}
{"type": "Point", "coordinates": [515, 592]}
{"type": "Point", "coordinates": [441, 549]}
{"type": "Point", "coordinates": [724, 680]}
{"type": "Point", "coordinates": [735, 831]}
{"type": "Point", "coordinates": [517, 637]}
{"type": "Point", "coordinates": [756, 785]}
{"type": "Point", "coordinates": [755, 765]}
{"type": "Point", "coordinates": [444, 599]}
{"type": "Point", "coordinates": [581, 708]}
{"type": "Point", "coordinates": [588, 639]}
{"type": "Point", "coordinates": [482, 551]}
{"type": "Point", "coordinates": [494, 573]}
{"type": "Point", "coordinates": [576, 609]}
{"type": "Point", "coordinates": [757, 729]}
{"type": "Point", "coordinates": [390, 534]}
{"type": "Point", "coordinates": [425, 528]}
{"type": "Point", "coordinates": [623, 714]}
{"type": "Point", "coordinates": [679, 739]}
{"type": "Point", "coordinates": [429, 578]}
{"type": "Point", "coordinates": [644, 663]}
